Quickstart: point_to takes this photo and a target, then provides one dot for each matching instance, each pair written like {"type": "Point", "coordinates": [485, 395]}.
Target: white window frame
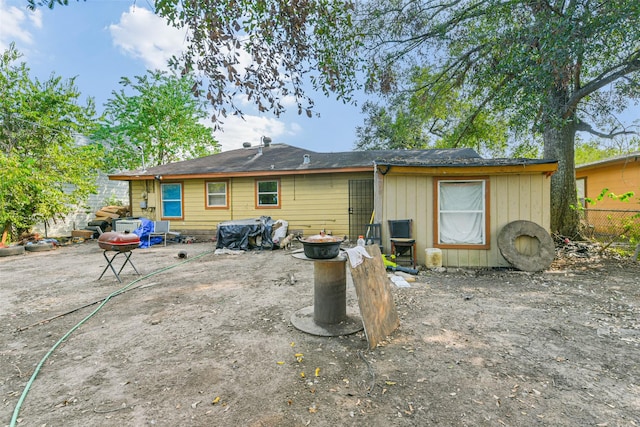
{"type": "Point", "coordinates": [259, 193]}
{"type": "Point", "coordinates": [224, 194]}
{"type": "Point", "coordinates": [450, 240]}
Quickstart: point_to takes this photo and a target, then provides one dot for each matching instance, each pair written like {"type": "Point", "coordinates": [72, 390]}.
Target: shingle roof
{"type": "Point", "coordinates": [630, 157]}
{"type": "Point", "coordinates": [283, 157]}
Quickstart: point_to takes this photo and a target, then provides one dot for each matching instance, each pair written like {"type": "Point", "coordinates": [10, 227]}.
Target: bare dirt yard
{"type": "Point", "coordinates": [208, 341]}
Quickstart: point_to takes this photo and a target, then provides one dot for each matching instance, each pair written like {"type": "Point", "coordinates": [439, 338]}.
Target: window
{"type": "Point", "coordinates": [268, 194]}
{"type": "Point", "coordinates": [216, 194]}
{"type": "Point", "coordinates": [461, 213]}
{"type": "Point", "coordinates": [171, 200]}
{"type": "Point", "coordinates": [581, 187]}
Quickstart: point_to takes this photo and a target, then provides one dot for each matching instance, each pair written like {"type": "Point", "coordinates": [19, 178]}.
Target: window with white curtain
{"type": "Point", "coordinates": [462, 212]}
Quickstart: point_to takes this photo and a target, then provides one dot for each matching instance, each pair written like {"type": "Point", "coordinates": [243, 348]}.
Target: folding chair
{"type": "Point", "coordinates": [161, 228]}
{"type": "Point", "coordinates": [402, 244]}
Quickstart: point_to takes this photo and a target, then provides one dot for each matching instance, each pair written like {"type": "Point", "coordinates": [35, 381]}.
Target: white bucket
{"type": "Point", "coordinates": [433, 257]}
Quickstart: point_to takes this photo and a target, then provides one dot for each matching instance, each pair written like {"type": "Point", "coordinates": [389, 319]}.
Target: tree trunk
{"type": "Point", "coordinates": [559, 145]}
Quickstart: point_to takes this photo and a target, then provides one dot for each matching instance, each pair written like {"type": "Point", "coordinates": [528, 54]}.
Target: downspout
{"type": "Point", "coordinates": [375, 190]}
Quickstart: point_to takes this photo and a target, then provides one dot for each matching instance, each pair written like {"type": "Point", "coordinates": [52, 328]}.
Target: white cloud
{"type": "Point", "coordinates": [16, 24]}
{"type": "Point", "coordinates": [145, 36]}
{"type": "Point", "coordinates": [251, 129]}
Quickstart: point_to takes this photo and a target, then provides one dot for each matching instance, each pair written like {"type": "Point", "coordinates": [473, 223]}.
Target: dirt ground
{"type": "Point", "coordinates": [207, 341]}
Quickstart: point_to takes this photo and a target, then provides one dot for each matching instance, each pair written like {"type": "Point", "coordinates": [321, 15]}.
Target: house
{"type": "Point", "coordinates": [81, 215]}
{"type": "Point", "coordinates": [618, 175]}
{"type": "Point", "coordinates": [342, 192]}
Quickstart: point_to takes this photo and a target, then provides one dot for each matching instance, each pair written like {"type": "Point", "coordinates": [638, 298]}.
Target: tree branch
{"type": "Point", "coordinates": [606, 77]}
{"type": "Point", "coordinates": [586, 127]}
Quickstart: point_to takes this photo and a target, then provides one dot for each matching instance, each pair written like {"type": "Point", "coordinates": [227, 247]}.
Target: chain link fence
{"type": "Point", "coordinates": [611, 225]}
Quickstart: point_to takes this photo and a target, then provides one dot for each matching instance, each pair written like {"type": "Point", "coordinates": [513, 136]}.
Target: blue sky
{"type": "Point", "coordinates": [100, 41]}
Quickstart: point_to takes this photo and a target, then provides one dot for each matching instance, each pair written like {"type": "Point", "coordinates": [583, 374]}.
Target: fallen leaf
{"type": "Point", "coordinates": [317, 372]}
{"type": "Point", "coordinates": [280, 363]}
{"type": "Point", "coordinates": [193, 405]}
{"type": "Point", "coordinates": [216, 400]}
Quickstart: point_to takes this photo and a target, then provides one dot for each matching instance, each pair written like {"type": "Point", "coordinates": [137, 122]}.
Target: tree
{"type": "Point", "coordinates": [45, 169]}
{"type": "Point", "coordinates": [418, 119]}
{"type": "Point", "coordinates": [595, 149]}
{"type": "Point", "coordinates": [287, 44]}
{"type": "Point", "coordinates": [552, 68]}
{"type": "Point", "coordinates": [155, 122]}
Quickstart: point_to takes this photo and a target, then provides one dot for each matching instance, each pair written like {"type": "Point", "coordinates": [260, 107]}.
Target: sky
{"type": "Point", "coordinates": [99, 41]}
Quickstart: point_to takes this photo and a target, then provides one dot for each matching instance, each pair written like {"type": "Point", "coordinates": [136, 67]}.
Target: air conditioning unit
{"type": "Point", "coordinates": [127, 225]}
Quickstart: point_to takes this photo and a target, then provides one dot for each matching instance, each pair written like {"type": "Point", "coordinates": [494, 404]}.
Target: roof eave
{"type": "Point", "coordinates": [261, 173]}
{"type": "Point", "coordinates": [544, 168]}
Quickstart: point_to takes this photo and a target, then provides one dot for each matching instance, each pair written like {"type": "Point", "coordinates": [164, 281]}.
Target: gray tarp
{"type": "Point", "coordinates": [245, 234]}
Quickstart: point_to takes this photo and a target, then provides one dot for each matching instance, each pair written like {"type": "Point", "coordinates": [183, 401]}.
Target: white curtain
{"type": "Point", "coordinates": [461, 212]}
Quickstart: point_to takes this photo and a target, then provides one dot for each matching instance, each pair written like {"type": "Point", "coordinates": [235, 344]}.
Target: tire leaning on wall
{"type": "Point", "coordinates": [11, 250]}
{"type": "Point", "coordinates": [539, 261]}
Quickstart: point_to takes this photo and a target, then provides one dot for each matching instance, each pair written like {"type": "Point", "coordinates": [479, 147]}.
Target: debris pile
{"type": "Point", "coordinates": [105, 216]}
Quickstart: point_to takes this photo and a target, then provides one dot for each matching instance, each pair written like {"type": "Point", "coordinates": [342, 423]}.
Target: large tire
{"type": "Point", "coordinates": [39, 247]}
{"type": "Point", "coordinates": [536, 262]}
{"type": "Point", "coordinates": [12, 250]}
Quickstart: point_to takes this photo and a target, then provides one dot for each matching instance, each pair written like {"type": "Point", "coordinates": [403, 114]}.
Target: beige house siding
{"type": "Point", "coordinates": [512, 197]}
{"type": "Point", "coordinates": [308, 202]}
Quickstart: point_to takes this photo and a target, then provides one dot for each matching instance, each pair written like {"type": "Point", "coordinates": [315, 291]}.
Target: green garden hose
{"type": "Point", "coordinates": [16, 411]}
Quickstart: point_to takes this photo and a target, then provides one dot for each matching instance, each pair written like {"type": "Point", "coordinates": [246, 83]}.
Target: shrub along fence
{"type": "Point", "coordinates": [611, 225]}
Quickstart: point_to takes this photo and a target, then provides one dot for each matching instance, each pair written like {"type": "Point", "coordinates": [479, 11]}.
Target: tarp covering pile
{"type": "Point", "coordinates": [245, 234]}
{"type": "Point", "coordinates": [146, 227]}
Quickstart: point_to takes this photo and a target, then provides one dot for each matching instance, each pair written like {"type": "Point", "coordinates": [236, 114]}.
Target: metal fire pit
{"type": "Point", "coordinates": [321, 246]}
{"type": "Point", "coordinates": [120, 243]}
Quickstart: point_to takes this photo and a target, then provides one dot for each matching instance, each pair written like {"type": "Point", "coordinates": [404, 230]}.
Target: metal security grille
{"type": "Point", "coordinates": [360, 206]}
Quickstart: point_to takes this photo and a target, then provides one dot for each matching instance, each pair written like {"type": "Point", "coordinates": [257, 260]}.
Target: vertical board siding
{"type": "Point", "coordinates": [511, 198]}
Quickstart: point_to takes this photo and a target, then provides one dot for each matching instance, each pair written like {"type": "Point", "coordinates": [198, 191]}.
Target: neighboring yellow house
{"type": "Point", "coordinates": [342, 192]}
{"type": "Point", "coordinates": [618, 175]}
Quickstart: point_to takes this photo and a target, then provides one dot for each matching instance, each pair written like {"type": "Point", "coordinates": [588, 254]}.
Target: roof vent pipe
{"type": "Point", "coordinates": [266, 141]}
{"type": "Point", "coordinates": [306, 159]}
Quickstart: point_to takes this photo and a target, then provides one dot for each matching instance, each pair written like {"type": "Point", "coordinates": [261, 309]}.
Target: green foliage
{"type": "Point", "coordinates": [594, 150]}
{"type": "Point", "coordinates": [549, 69]}
{"type": "Point", "coordinates": [156, 116]}
{"type": "Point", "coordinates": [425, 115]}
{"type": "Point", "coordinates": [46, 167]}
{"type": "Point", "coordinates": [289, 43]}
{"type": "Point", "coordinates": [620, 225]}
{"type": "Point", "coordinates": [112, 200]}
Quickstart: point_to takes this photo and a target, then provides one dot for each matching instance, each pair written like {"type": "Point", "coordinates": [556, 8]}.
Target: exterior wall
{"type": "Point", "coordinates": [512, 197]}
{"type": "Point", "coordinates": [308, 202]}
{"type": "Point", "coordinates": [619, 177]}
{"type": "Point", "coordinates": [82, 215]}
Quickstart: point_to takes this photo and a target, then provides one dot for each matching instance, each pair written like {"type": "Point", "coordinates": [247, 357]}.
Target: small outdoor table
{"type": "Point", "coordinates": [329, 315]}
